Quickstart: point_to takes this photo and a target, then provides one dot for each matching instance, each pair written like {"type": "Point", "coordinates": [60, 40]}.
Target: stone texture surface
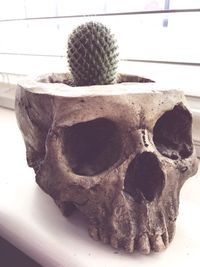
{"type": "Point", "coordinates": [117, 153]}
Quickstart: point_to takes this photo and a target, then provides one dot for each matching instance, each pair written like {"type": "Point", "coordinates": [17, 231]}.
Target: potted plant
{"type": "Point", "coordinates": [116, 150]}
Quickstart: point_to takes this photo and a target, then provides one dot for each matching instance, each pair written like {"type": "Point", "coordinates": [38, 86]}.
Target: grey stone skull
{"type": "Point", "coordinates": [117, 153]}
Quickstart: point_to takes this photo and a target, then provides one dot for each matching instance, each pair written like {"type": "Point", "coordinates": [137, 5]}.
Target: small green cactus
{"type": "Point", "coordinates": [92, 55]}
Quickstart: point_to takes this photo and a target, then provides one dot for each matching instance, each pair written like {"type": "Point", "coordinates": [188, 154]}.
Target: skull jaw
{"type": "Point", "coordinates": [145, 227]}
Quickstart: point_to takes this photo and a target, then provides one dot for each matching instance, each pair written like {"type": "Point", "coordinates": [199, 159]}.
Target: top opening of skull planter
{"type": "Point", "coordinates": [88, 140]}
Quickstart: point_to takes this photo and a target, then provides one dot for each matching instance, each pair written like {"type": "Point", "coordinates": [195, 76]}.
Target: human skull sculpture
{"type": "Point", "coordinates": [118, 153]}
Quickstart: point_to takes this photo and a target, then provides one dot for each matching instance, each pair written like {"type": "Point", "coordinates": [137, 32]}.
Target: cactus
{"type": "Point", "coordinates": [92, 55]}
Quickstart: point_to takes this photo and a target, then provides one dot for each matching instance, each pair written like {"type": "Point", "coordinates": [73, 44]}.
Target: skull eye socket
{"type": "Point", "coordinates": [91, 147]}
{"type": "Point", "coordinates": [172, 133]}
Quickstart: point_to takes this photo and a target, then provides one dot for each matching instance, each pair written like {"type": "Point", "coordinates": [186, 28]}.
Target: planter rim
{"type": "Point", "coordinates": [35, 85]}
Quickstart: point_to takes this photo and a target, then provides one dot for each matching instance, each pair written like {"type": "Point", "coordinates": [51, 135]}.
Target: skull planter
{"type": "Point", "coordinates": [117, 153]}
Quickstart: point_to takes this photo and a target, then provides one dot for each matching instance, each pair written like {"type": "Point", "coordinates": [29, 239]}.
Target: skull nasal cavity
{"type": "Point", "coordinates": [91, 147]}
{"type": "Point", "coordinates": [144, 177]}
